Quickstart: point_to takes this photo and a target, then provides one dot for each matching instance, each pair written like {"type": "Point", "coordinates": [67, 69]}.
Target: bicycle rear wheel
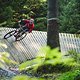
{"type": "Point", "coordinates": [9, 34]}
{"type": "Point", "coordinates": [20, 37]}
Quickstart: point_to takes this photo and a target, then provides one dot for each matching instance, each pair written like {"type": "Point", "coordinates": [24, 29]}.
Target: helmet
{"type": "Point", "coordinates": [31, 21]}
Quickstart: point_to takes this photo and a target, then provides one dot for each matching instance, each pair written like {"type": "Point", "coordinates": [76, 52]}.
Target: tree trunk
{"type": "Point", "coordinates": [53, 29]}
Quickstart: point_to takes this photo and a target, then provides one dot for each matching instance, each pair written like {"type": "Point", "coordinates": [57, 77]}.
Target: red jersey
{"type": "Point", "coordinates": [28, 25]}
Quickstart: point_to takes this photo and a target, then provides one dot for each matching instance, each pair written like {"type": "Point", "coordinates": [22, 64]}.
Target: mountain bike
{"type": "Point", "coordinates": [19, 34]}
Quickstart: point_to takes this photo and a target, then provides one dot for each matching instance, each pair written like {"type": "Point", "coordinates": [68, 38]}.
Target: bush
{"type": "Point", "coordinates": [69, 16]}
{"type": "Point", "coordinates": [74, 55]}
{"type": "Point", "coordinates": [41, 24]}
{"type": "Point", "coordinates": [49, 68]}
{"type": "Point", "coordinates": [72, 75]}
{"type": "Point", "coordinates": [52, 61]}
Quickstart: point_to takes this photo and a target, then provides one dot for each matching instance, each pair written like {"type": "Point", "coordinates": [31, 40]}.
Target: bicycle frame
{"type": "Point", "coordinates": [21, 28]}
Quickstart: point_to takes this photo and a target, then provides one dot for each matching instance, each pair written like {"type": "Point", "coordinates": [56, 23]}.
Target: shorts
{"type": "Point", "coordinates": [25, 29]}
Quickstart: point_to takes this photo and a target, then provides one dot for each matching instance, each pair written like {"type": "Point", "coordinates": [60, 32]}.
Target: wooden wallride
{"type": "Point", "coordinates": [25, 49]}
{"type": "Point", "coordinates": [28, 48]}
{"type": "Point", "coordinates": [69, 42]}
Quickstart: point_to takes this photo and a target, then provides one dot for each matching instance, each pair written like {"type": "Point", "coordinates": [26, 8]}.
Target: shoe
{"type": "Point", "coordinates": [14, 35]}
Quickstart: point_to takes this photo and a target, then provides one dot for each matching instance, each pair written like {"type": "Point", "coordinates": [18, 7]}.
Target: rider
{"type": "Point", "coordinates": [27, 25]}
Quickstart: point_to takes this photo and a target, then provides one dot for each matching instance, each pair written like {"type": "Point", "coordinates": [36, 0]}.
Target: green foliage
{"type": "Point", "coordinates": [43, 0]}
{"type": "Point", "coordinates": [51, 61]}
{"type": "Point", "coordinates": [72, 75]}
{"type": "Point", "coordinates": [8, 15]}
{"type": "Point", "coordinates": [29, 64]}
{"type": "Point", "coordinates": [74, 55]}
{"type": "Point", "coordinates": [69, 16]}
{"type": "Point", "coordinates": [41, 24]}
{"type": "Point", "coordinates": [53, 56]}
{"type": "Point", "coordinates": [18, 9]}
{"type": "Point", "coordinates": [8, 12]}
{"type": "Point", "coordinates": [24, 77]}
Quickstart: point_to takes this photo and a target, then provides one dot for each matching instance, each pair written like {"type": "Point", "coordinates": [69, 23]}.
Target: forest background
{"type": "Point", "coordinates": [68, 14]}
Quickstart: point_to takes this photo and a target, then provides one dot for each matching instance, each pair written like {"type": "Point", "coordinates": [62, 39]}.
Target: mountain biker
{"type": "Point", "coordinates": [26, 25]}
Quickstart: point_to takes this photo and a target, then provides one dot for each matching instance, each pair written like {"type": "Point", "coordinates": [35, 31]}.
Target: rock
{"type": "Point", "coordinates": [6, 73]}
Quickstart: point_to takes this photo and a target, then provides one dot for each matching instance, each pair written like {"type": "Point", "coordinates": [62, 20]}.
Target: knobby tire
{"type": "Point", "coordinates": [23, 35]}
{"type": "Point", "coordinates": [9, 34]}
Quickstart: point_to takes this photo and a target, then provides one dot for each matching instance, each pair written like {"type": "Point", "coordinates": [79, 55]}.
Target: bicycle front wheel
{"type": "Point", "coordinates": [20, 37]}
{"type": "Point", "coordinates": [9, 34]}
